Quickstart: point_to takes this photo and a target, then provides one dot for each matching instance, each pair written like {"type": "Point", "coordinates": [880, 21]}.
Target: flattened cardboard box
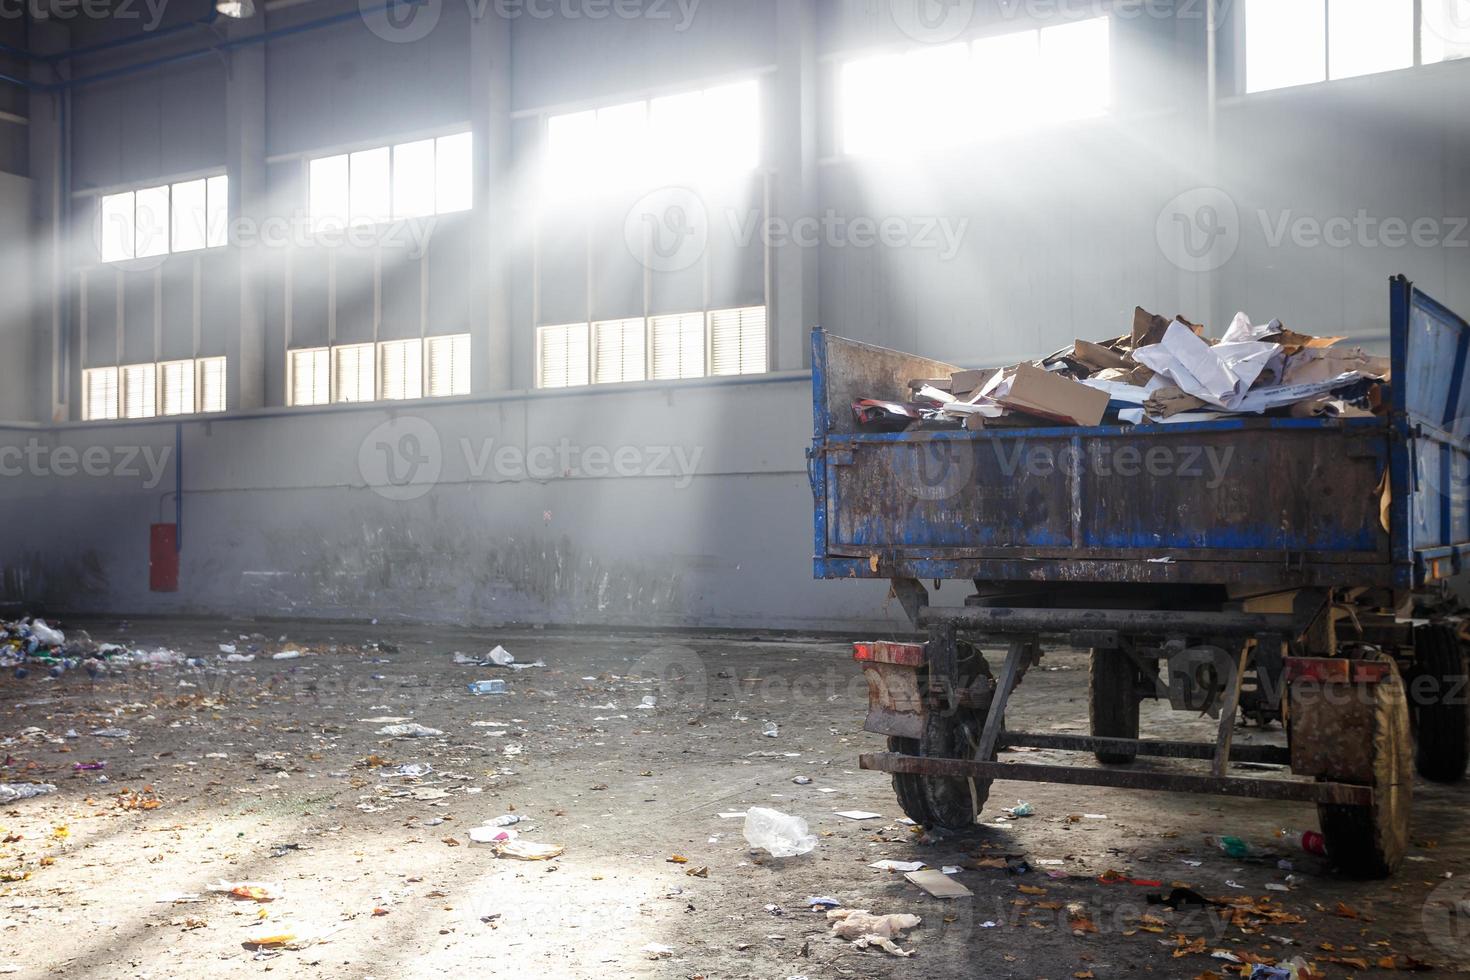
{"type": "Point", "coordinates": [1039, 392]}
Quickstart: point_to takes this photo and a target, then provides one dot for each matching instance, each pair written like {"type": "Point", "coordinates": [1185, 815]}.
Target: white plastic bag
{"type": "Point", "coordinates": [779, 834]}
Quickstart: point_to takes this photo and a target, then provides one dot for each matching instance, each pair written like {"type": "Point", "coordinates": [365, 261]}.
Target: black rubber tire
{"type": "Point", "coordinates": [1442, 746]}
{"type": "Point", "coordinates": [907, 787]}
{"type": "Point", "coordinates": [953, 803]}
{"type": "Point", "coordinates": [1370, 842]}
{"type": "Point", "coordinates": [1112, 702]}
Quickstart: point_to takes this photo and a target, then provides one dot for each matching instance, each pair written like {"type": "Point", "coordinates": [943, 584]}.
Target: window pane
{"type": "Point", "coordinates": [571, 145]}
{"type": "Point", "coordinates": [354, 373]}
{"type": "Point", "coordinates": [622, 137]}
{"type": "Point", "coordinates": [413, 179]}
{"type": "Point", "coordinates": [449, 365]}
{"type": "Point", "coordinates": [212, 383]}
{"type": "Point", "coordinates": [217, 226]}
{"type": "Point", "coordinates": [872, 103]}
{"type": "Point", "coordinates": [310, 380]}
{"type": "Point", "coordinates": [678, 133]}
{"type": "Point", "coordinates": [561, 360]}
{"type": "Point", "coordinates": [1075, 65]}
{"type": "Point", "coordinates": [99, 394]}
{"type": "Point", "coordinates": [454, 182]}
{"type": "Point", "coordinates": [619, 351]}
{"type": "Point", "coordinates": [738, 341]}
{"type": "Point", "coordinates": [116, 231]}
{"type": "Point", "coordinates": [178, 387]}
{"type": "Point", "coordinates": [1285, 43]}
{"type": "Point", "coordinates": [368, 186]}
{"type": "Point", "coordinates": [151, 215]}
{"type": "Point", "coordinates": [1367, 36]}
{"type": "Point", "coordinates": [140, 391]}
{"type": "Point", "coordinates": [401, 369]}
{"type": "Point", "coordinates": [1446, 32]}
{"type": "Point", "coordinates": [731, 138]}
{"type": "Point", "coordinates": [189, 210]}
{"type": "Point", "coordinates": [1006, 71]}
{"type": "Point", "coordinates": [678, 346]}
{"type": "Point", "coordinates": [328, 198]}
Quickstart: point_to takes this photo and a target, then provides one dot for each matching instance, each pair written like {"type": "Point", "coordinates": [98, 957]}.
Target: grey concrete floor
{"type": "Point", "coordinates": [270, 771]}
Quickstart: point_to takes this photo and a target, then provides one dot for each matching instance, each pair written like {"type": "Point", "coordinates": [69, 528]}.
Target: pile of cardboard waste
{"type": "Point", "coordinates": [1164, 371]}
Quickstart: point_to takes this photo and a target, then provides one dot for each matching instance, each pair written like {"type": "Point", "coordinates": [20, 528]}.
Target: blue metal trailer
{"type": "Point", "coordinates": [1256, 566]}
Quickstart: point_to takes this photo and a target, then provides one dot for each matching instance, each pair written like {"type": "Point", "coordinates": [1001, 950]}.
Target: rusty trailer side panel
{"type": "Point", "coordinates": [1278, 502]}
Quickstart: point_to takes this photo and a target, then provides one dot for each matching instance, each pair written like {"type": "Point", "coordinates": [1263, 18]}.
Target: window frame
{"type": "Point", "coordinates": [1239, 37]}
{"type": "Point", "coordinates": [216, 183]}
{"type": "Point", "coordinates": [320, 223]}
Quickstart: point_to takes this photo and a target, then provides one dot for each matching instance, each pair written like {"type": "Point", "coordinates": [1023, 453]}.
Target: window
{"type": "Point", "coordinates": [352, 368]}
{"type": "Point", "coordinates": [311, 376]}
{"type": "Point", "coordinates": [449, 365]}
{"type": "Point", "coordinates": [212, 384]}
{"type": "Point", "coordinates": [401, 370]}
{"type": "Point", "coordinates": [181, 217]}
{"type": "Point", "coordinates": [618, 351]}
{"type": "Point", "coordinates": [1298, 42]}
{"type": "Point", "coordinates": [561, 356]}
{"type": "Point", "coordinates": [702, 135]}
{"type": "Point", "coordinates": [177, 383]}
{"type": "Point", "coordinates": [738, 341]}
{"type": "Point", "coordinates": [1445, 33]}
{"type": "Point", "coordinates": [99, 393]}
{"type": "Point", "coordinates": [140, 391]}
{"type": "Point", "coordinates": [951, 94]}
{"type": "Point", "coordinates": [409, 180]}
{"type": "Point", "coordinates": [678, 346]}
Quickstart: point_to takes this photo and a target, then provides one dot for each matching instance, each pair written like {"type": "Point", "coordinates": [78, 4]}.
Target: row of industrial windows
{"type": "Point", "coordinates": [952, 94]}
{"type": "Point", "coordinates": [181, 217]}
{"type": "Point", "coordinates": [391, 370]}
{"type": "Point", "coordinates": [392, 183]}
{"type": "Point", "coordinates": [145, 391]}
{"type": "Point", "coordinates": [693, 136]}
{"type": "Point", "coordinates": [937, 95]}
{"type": "Point", "coordinates": [387, 183]}
{"type": "Point", "coordinates": [658, 348]}
{"type": "Point", "coordinates": [1299, 42]}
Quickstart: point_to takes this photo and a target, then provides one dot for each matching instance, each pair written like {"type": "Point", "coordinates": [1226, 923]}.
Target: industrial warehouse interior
{"type": "Point", "coordinates": [796, 489]}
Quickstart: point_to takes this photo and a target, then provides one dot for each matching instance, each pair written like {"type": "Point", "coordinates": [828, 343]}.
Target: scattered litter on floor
{"type": "Point", "coordinates": [10, 792]}
{"type": "Point", "coordinates": [409, 731]}
{"type": "Point", "coordinates": [254, 891]}
{"type": "Point", "coordinates": [858, 814]}
{"type": "Point", "coordinates": [888, 865]}
{"type": "Point", "coordinates": [777, 833]}
{"type": "Point", "coordinates": [938, 884]}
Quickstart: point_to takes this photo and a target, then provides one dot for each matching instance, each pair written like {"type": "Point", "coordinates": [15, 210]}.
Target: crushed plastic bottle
{"type": "Point", "coordinates": [777, 833]}
{"type": "Point", "coordinates": [10, 792]}
{"type": "Point", "coordinates": [1308, 840]}
{"type": "Point", "coordinates": [1236, 847]}
{"type": "Point", "coordinates": [487, 687]}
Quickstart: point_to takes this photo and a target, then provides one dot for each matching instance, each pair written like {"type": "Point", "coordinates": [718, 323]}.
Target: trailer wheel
{"type": "Point", "coordinates": [1370, 841]}
{"type": "Point", "coordinates": [950, 803]}
{"type": "Point", "coordinates": [1112, 702]}
{"type": "Point", "coordinates": [1442, 749]}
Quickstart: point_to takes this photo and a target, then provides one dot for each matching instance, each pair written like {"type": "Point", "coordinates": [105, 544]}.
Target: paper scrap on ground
{"type": "Point", "coordinates": [938, 884]}
{"type": "Point", "coordinates": [897, 865]}
{"type": "Point", "coordinates": [858, 814]}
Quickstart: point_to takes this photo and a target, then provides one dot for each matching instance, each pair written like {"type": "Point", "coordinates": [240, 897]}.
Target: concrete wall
{"type": "Point", "coordinates": [1061, 239]}
{"type": "Point", "coordinates": [668, 506]}
{"type": "Point", "coordinates": [17, 339]}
